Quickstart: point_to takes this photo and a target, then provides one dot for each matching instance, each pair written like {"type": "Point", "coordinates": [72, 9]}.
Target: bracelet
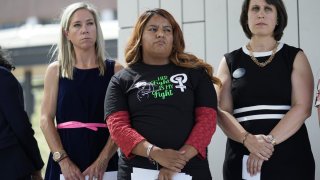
{"type": "Point", "coordinates": [272, 140]}
{"type": "Point", "coordinates": [62, 158]}
{"type": "Point", "coordinates": [245, 137]}
{"type": "Point", "coordinates": [149, 149]}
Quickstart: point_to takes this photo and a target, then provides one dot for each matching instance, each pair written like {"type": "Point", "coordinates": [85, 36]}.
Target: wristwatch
{"type": "Point", "coordinates": [59, 155]}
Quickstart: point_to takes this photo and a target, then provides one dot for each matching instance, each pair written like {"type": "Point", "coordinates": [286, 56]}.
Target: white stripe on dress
{"type": "Point", "coordinates": [261, 116]}
{"type": "Point", "coordinates": [261, 107]}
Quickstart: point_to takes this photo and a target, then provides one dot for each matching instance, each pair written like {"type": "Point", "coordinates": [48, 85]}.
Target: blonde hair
{"type": "Point", "coordinates": [133, 51]}
{"type": "Point", "coordinates": [64, 49]}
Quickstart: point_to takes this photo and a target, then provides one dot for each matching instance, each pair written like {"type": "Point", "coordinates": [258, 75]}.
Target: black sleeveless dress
{"type": "Point", "coordinates": [261, 97]}
{"type": "Point", "coordinates": [82, 99]}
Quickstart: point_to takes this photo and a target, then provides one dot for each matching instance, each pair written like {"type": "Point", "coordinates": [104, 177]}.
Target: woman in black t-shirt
{"type": "Point", "coordinates": [161, 109]}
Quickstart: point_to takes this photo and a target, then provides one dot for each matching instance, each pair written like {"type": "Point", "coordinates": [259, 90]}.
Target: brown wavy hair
{"type": "Point", "coordinates": [133, 51]}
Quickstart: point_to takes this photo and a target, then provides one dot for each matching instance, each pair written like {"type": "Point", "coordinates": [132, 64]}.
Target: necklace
{"type": "Point", "coordinates": [262, 64]}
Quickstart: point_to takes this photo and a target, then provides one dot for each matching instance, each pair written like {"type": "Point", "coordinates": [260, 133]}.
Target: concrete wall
{"type": "Point", "coordinates": [212, 28]}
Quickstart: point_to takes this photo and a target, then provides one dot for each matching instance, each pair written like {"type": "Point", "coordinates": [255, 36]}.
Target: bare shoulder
{"type": "Point", "coordinates": [54, 66]}
{"type": "Point", "coordinates": [301, 55]}
{"type": "Point", "coordinates": [301, 60]}
{"type": "Point", "coordinates": [223, 70]}
{"type": "Point", "coordinates": [117, 67]}
{"type": "Point", "coordinates": [53, 70]}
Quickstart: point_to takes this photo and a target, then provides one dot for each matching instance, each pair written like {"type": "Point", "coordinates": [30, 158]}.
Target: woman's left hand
{"type": "Point", "coordinates": [96, 170]}
{"type": "Point", "coordinates": [165, 174]}
{"type": "Point", "coordinates": [257, 144]}
{"type": "Point", "coordinates": [169, 158]}
{"type": "Point", "coordinates": [254, 164]}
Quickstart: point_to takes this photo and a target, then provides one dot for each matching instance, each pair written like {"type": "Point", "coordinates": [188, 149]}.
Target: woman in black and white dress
{"type": "Point", "coordinates": [265, 98]}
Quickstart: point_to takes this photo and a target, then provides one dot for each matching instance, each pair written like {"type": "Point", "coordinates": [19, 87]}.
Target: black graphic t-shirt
{"type": "Point", "coordinates": [161, 100]}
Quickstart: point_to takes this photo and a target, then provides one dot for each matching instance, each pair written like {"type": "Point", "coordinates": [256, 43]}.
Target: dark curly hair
{"type": "Point", "coordinates": [4, 60]}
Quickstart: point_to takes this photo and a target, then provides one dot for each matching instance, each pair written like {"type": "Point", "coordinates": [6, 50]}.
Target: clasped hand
{"type": "Point", "coordinates": [259, 146]}
{"type": "Point", "coordinates": [95, 171]}
{"type": "Point", "coordinates": [69, 170]}
{"type": "Point", "coordinates": [260, 150]}
{"type": "Point", "coordinates": [171, 159]}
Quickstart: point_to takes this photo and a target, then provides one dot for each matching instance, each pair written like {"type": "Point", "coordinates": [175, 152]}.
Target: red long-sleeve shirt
{"type": "Point", "coordinates": [127, 138]}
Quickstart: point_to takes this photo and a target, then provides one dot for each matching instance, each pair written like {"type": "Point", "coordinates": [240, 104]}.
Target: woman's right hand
{"type": "Point", "coordinates": [69, 170]}
{"type": "Point", "coordinates": [171, 159]}
{"type": "Point", "coordinates": [165, 174]}
{"type": "Point", "coordinates": [257, 145]}
{"type": "Point", "coordinates": [254, 164]}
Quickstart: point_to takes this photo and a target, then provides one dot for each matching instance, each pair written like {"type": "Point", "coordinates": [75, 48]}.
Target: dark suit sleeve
{"type": "Point", "coordinates": [11, 105]}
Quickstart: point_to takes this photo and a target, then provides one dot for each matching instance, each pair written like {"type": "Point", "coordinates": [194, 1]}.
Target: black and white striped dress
{"type": "Point", "coordinates": [261, 97]}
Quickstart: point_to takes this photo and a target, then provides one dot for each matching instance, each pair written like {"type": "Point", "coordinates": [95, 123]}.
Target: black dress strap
{"type": "Point", "coordinates": [109, 67]}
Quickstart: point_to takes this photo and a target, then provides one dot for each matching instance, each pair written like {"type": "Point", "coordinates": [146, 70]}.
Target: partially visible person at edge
{"type": "Point", "coordinates": [265, 98]}
{"type": "Point", "coordinates": [161, 109]}
{"type": "Point", "coordinates": [19, 153]}
{"type": "Point", "coordinates": [317, 100]}
{"type": "Point", "coordinates": [74, 90]}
